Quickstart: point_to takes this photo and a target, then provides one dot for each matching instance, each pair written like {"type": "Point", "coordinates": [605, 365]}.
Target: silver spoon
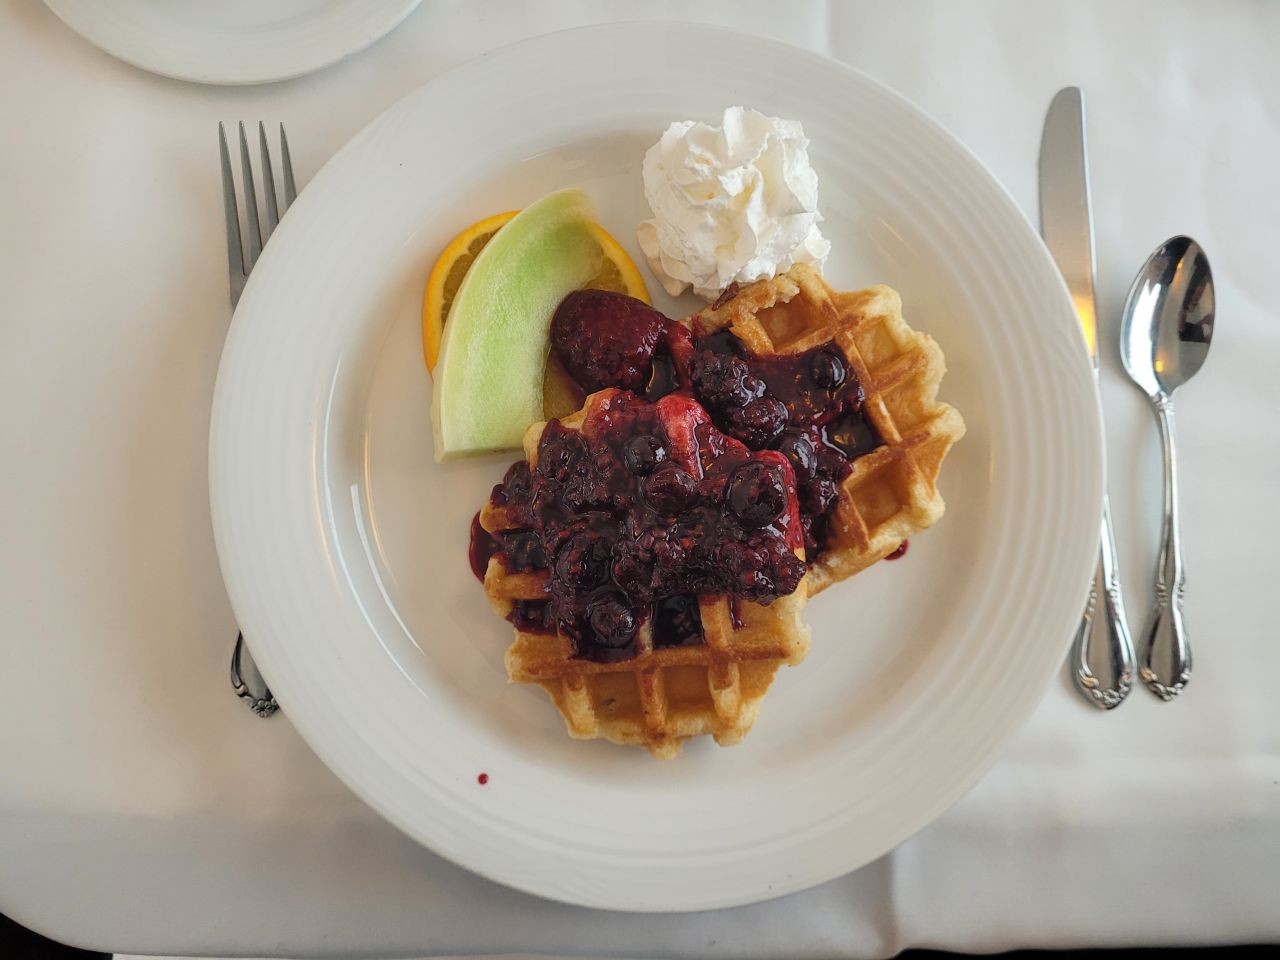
{"type": "Point", "coordinates": [1164, 338]}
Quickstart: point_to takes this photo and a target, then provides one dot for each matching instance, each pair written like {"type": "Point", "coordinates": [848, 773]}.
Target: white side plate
{"type": "Point", "coordinates": [232, 41]}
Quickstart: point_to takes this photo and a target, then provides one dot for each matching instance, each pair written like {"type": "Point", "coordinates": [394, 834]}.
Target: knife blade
{"type": "Point", "coordinates": [1102, 660]}
{"type": "Point", "coordinates": [1066, 213]}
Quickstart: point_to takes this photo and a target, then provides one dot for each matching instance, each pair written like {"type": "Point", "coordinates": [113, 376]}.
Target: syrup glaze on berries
{"type": "Point", "coordinates": [807, 406]}
{"type": "Point", "coordinates": [645, 509]}
{"type": "Point", "coordinates": [698, 474]}
{"type": "Point", "coordinates": [520, 548]}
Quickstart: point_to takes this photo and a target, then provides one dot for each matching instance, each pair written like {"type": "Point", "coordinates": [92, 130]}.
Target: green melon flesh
{"type": "Point", "coordinates": [488, 383]}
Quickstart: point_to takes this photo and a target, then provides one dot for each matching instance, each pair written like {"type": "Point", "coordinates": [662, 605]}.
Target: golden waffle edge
{"type": "Point", "coordinates": [891, 493]}
{"type": "Point", "coordinates": [665, 696]}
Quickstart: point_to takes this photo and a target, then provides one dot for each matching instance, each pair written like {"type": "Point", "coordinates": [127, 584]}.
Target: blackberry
{"type": "Point", "coordinates": [758, 423]}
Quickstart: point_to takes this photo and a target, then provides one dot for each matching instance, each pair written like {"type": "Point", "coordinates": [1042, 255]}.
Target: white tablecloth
{"type": "Point", "coordinates": [143, 809]}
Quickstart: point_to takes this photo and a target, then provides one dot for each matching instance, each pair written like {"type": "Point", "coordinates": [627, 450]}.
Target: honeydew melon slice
{"type": "Point", "coordinates": [489, 379]}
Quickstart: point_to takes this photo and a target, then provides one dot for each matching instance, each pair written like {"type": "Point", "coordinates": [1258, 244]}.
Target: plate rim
{"type": "Point", "coordinates": [982, 762]}
{"type": "Point", "coordinates": [72, 15]}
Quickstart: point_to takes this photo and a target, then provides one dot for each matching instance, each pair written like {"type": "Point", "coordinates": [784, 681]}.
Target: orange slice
{"type": "Point", "coordinates": [618, 273]}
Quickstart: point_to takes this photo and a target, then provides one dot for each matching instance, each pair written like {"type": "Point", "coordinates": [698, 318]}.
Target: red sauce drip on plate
{"type": "Point", "coordinates": [900, 552]}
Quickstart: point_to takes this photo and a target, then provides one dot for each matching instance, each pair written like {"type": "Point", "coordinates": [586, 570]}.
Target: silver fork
{"type": "Point", "coordinates": [246, 680]}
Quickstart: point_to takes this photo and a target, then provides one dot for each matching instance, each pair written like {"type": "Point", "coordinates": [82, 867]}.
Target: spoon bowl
{"type": "Point", "coordinates": [1168, 318]}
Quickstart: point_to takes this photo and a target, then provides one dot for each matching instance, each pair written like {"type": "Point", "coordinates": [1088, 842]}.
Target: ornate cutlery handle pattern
{"type": "Point", "coordinates": [1103, 627]}
{"type": "Point", "coordinates": [1166, 651]}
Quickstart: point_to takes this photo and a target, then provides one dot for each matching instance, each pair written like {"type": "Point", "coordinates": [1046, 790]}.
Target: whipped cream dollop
{"type": "Point", "coordinates": [737, 202]}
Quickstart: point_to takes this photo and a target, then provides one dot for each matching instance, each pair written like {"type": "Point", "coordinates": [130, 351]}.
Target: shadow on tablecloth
{"type": "Point", "coordinates": [19, 943]}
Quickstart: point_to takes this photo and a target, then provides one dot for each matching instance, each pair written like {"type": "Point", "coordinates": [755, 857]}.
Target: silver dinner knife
{"type": "Point", "coordinates": [1102, 662]}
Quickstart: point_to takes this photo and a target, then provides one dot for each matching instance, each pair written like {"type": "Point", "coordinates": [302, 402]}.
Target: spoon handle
{"type": "Point", "coordinates": [1102, 639]}
{"type": "Point", "coordinates": [1166, 653]}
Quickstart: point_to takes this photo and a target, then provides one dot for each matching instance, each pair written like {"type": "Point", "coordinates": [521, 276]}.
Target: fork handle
{"type": "Point", "coordinates": [1103, 630]}
{"type": "Point", "coordinates": [1166, 650]}
{"type": "Point", "coordinates": [247, 681]}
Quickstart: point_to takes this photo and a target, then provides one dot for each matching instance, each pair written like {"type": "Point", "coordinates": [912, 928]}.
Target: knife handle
{"type": "Point", "coordinates": [1166, 651]}
{"type": "Point", "coordinates": [1103, 630]}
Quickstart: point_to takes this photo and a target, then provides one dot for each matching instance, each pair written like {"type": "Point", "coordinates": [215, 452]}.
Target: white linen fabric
{"type": "Point", "coordinates": [142, 808]}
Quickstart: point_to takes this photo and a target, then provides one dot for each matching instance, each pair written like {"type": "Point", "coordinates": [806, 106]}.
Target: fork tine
{"type": "Point", "coordinates": [268, 183]}
{"type": "Point", "coordinates": [290, 189]}
{"type": "Point", "coordinates": [235, 256]}
{"type": "Point", "coordinates": [250, 201]}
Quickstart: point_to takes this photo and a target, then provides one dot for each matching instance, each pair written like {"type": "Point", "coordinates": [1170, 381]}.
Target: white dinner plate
{"type": "Point", "coordinates": [232, 41]}
{"type": "Point", "coordinates": [344, 544]}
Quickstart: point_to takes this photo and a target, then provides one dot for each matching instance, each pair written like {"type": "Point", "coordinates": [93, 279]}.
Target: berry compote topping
{"type": "Point", "coordinates": [514, 489]}
{"type": "Point", "coordinates": [520, 548]}
{"type": "Point", "coordinates": [806, 406]}
{"type": "Point", "coordinates": [483, 547]}
{"type": "Point", "coordinates": [645, 509]}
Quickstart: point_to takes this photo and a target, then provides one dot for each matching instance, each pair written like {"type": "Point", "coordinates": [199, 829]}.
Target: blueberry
{"type": "Point", "coordinates": [582, 561]}
{"type": "Point", "coordinates": [757, 495]}
{"type": "Point", "coordinates": [643, 454]}
{"type": "Point", "coordinates": [827, 369]}
{"type": "Point", "coordinates": [670, 488]}
{"type": "Point", "coordinates": [612, 622]}
{"type": "Point", "coordinates": [799, 449]}
{"type": "Point", "coordinates": [854, 436]}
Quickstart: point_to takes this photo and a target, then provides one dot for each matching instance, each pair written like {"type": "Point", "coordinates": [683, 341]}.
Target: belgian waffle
{"type": "Point", "coordinates": [891, 492]}
{"type": "Point", "coordinates": [661, 696]}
